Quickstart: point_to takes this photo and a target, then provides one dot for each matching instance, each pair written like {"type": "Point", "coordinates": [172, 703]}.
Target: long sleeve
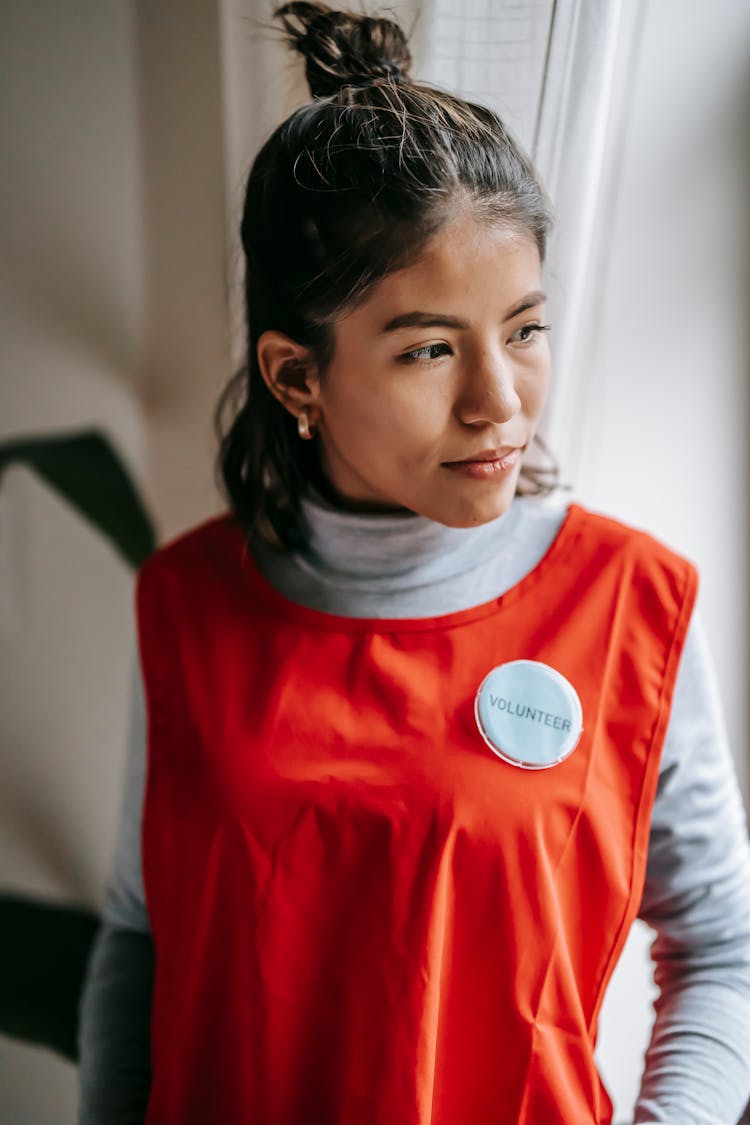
{"type": "Point", "coordinates": [697, 898]}
{"type": "Point", "coordinates": [114, 1074]}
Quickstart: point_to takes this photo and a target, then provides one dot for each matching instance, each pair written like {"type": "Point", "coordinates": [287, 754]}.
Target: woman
{"type": "Point", "coordinates": [422, 740]}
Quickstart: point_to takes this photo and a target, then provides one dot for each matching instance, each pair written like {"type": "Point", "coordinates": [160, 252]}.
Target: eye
{"type": "Point", "coordinates": [422, 355]}
{"type": "Point", "coordinates": [531, 330]}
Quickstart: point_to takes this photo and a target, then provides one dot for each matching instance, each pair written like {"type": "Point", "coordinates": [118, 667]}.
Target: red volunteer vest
{"type": "Point", "coordinates": [361, 914]}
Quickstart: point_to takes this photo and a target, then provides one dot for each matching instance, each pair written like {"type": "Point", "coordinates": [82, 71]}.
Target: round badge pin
{"type": "Point", "coordinates": [528, 714]}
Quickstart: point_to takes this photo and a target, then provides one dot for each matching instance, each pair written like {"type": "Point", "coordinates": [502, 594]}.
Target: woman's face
{"type": "Point", "coordinates": [403, 398]}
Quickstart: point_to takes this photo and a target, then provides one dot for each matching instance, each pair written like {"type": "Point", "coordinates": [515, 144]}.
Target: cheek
{"type": "Point", "coordinates": [415, 414]}
{"type": "Point", "coordinates": [534, 385]}
{"type": "Point", "coordinates": [536, 393]}
{"type": "Point", "coordinates": [392, 407]}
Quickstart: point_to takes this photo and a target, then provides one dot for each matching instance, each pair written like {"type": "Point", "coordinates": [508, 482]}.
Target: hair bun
{"type": "Point", "coordinates": [342, 48]}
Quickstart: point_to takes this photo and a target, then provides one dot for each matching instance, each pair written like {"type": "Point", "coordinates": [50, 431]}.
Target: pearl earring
{"type": "Point", "coordinates": [303, 426]}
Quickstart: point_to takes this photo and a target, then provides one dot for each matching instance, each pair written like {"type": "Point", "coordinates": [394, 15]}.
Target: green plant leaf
{"type": "Point", "coordinates": [44, 951]}
{"type": "Point", "coordinates": [85, 469]}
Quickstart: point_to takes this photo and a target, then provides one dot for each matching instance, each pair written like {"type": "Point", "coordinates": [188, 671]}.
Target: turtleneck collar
{"type": "Point", "coordinates": [398, 550]}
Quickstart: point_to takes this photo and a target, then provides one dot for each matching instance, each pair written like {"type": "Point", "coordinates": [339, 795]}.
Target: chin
{"type": "Point", "coordinates": [466, 514]}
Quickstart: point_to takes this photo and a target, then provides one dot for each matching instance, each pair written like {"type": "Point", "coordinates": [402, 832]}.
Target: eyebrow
{"type": "Point", "coordinates": [436, 320]}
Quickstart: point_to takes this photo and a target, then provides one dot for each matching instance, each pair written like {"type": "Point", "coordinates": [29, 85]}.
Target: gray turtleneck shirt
{"type": "Point", "coordinates": [697, 889]}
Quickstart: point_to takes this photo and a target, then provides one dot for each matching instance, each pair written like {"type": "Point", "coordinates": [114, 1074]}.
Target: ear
{"type": "Point", "coordinates": [288, 371]}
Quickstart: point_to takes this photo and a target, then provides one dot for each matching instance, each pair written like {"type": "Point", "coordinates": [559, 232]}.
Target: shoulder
{"type": "Point", "coordinates": [195, 540]}
{"type": "Point", "coordinates": [592, 538]}
{"type": "Point", "coordinates": [602, 529]}
{"type": "Point", "coordinates": [191, 553]}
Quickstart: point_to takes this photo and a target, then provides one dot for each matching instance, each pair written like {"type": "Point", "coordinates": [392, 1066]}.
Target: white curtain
{"type": "Point", "coordinates": [577, 144]}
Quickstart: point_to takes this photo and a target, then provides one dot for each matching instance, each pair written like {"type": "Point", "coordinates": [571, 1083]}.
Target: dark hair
{"type": "Point", "coordinates": [347, 189]}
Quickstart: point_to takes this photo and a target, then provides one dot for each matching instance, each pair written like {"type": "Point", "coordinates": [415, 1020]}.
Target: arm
{"type": "Point", "coordinates": [697, 898]}
{"type": "Point", "coordinates": [114, 1074]}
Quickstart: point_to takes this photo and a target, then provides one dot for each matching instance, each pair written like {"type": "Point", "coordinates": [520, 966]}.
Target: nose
{"type": "Point", "coordinates": [488, 391]}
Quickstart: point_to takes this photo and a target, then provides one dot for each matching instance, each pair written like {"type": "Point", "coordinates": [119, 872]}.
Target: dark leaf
{"type": "Point", "coordinates": [85, 469]}
{"type": "Point", "coordinates": [44, 950]}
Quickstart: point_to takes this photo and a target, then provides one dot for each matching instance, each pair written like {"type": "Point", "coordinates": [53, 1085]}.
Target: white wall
{"type": "Point", "coordinates": [112, 312]}
{"type": "Point", "coordinates": [71, 325]}
{"type": "Point", "coordinates": [662, 442]}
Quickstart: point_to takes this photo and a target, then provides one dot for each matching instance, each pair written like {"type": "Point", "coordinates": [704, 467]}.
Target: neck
{"type": "Point", "coordinates": [320, 483]}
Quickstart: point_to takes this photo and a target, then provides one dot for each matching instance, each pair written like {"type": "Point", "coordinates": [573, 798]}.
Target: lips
{"type": "Point", "coordinates": [487, 455]}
